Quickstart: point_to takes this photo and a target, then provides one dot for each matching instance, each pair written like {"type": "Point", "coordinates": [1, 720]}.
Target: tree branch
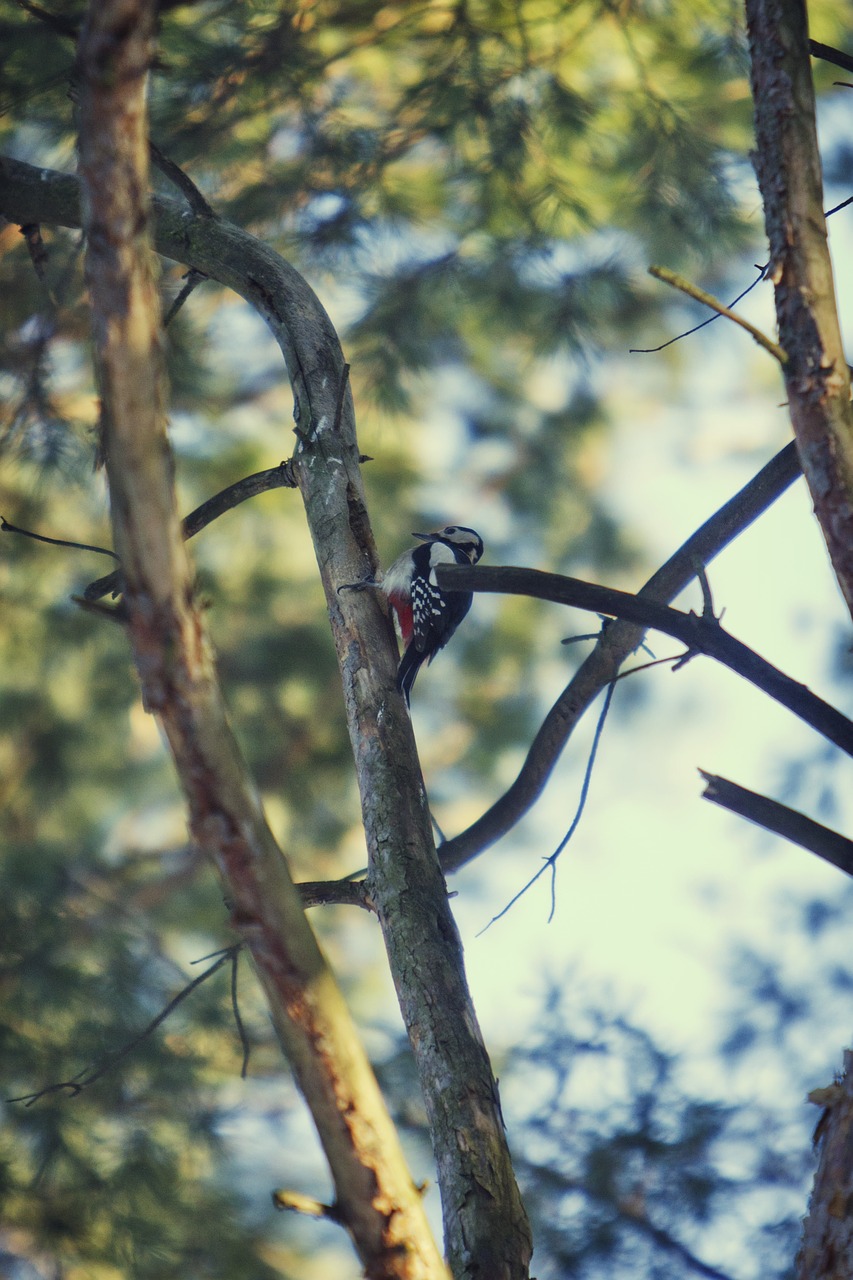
{"type": "Point", "coordinates": [781, 820]}
{"type": "Point", "coordinates": [701, 295]}
{"type": "Point", "coordinates": [700, 634]}
{"type": "Point", "coordinates": [615, 644]}
{"type": "Point", "coordinates": [787, 162]}
{"type": "Point", "coordinates": [828, 54]}
{"type": "Point", "coordinates": [280, 477]}
{"type": "Point", "coordinates": [344, 893]}
{"type": "Point", "coordinates": [90, 1075]}
{"type": "Point", "coordinates": [374, 1191]}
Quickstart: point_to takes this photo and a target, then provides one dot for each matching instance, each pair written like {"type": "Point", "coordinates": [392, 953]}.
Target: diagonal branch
{"type": "Point", "coordinates": [616, 644]}
{"type": "Point", "coordinates": [90, 1075]}
{"type": "Point", "coordinates": [211, 509]}
{"type": "Point", "coordinates": [780, 819]}
{"type": "Point", "coordinates": [829, 54]}
{"type": "Point", "coordinates": [677, 281]}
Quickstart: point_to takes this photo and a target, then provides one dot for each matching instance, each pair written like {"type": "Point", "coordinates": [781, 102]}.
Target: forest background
{"type": "Point", "coordinates": [475, 192]}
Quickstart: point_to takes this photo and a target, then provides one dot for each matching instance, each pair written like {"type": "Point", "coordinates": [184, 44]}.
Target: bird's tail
{"type": "Point", "coordinates": [410, 665]}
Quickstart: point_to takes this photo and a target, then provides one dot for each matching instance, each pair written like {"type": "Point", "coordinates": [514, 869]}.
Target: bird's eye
{"type": "Point", "coordinates": [451, 528]}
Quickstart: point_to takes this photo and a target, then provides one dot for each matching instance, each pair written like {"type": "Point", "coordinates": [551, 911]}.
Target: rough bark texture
{"type": "Point", "coordinates": [787, 162]}
{"type": "Point", "coordinates": [487, 1235]}
{"type": "Point", "coordinates": [827, 1248]}
{"type": "Point", "coordinates": [376, 1199]}
{"type": "Point", "coordinates": [486, 1231]}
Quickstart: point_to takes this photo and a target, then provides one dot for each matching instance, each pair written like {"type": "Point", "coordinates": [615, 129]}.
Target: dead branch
{"type": "Point", "coordinates": [89, 1075]}
{"type": "Point", "coordinates": [781, 820]}
{"type": "Point", "coordinates": [707, 299]}
{"type": "Point", "coordinates": [280, 477]}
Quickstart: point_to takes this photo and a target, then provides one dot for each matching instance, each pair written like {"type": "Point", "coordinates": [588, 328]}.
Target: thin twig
{"type": "Point", "coordinates": [193, 279]}
{"type": "Point", "coordinates": [707, 598]}
{"type": "Point", "coordinates": [676, 659]}
{"type": "Point", "coordinates": [648, 351]}
{"type": "Point", "coordinates": [693, 291]}
{"type": "Point", "coordinates": [551, 861]}
{"type": "Point", "coordinates": [238, 1021]}
{"type": "Point", "coordinates": [76, 1085]}
{"type": "Point", "coordinates": [6, 527]}
{"type": "Point", "coordinates": [762, 273]}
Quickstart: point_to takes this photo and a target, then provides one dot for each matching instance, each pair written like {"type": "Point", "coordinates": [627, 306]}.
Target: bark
{"type": "Point", "coordinates": [486, 1229]}
{"type": "Point", "coordinates": [376, 1198]}
{"type": "Point", "coordinates": [787, 162]}
{"type": "Point", "coordinates": [827, 1248]}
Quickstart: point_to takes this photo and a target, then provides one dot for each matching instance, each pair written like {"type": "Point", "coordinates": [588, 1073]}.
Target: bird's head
{"type": "Point", "coordinates": [458, 536]}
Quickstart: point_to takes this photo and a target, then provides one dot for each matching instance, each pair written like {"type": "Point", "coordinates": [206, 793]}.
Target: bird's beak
{"type": "Point", "coordinates": [425, 537]}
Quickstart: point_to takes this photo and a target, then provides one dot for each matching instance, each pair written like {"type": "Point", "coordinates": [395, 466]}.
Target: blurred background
{"type": "Point", "coordinates": [475, 191]}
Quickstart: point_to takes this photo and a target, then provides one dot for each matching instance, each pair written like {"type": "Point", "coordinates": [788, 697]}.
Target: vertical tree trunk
{"type": "Point", "coordinates": [787, 162]}
{"type": "Point", "coordinates": [827, 1248]}
{"type": "Point", "coordinates": [487, 1235]}
{"type": "Point", "coordinates": [376, 1199]}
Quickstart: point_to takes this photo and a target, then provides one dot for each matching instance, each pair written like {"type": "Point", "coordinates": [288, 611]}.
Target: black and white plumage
{"type": "Point", "coordinates": [428, 617]}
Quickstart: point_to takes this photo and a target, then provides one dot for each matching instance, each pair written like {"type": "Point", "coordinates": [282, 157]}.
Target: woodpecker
{"type": "Point", "coordinates": [427, 616]}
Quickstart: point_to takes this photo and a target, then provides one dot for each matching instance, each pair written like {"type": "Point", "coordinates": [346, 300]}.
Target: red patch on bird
{"type": "Point", "coordinates": [403, 610]}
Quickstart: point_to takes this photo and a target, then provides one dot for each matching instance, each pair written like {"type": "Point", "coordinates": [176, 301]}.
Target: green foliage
{"type": "Point", "coordinates": [120, 1176]}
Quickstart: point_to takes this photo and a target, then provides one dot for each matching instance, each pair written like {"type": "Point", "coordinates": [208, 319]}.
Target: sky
{"type": "Point", "coordinates": [657, 883]}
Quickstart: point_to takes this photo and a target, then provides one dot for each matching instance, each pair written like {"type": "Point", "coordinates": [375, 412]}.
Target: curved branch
{"type": "Point", "coordinates": [219, 250]}
{"type": "Point", "coordinates": [616, 644]}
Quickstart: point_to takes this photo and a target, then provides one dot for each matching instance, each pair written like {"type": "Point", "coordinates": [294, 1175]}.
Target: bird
{"type": "Point", "coordinates": [428, 617]}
